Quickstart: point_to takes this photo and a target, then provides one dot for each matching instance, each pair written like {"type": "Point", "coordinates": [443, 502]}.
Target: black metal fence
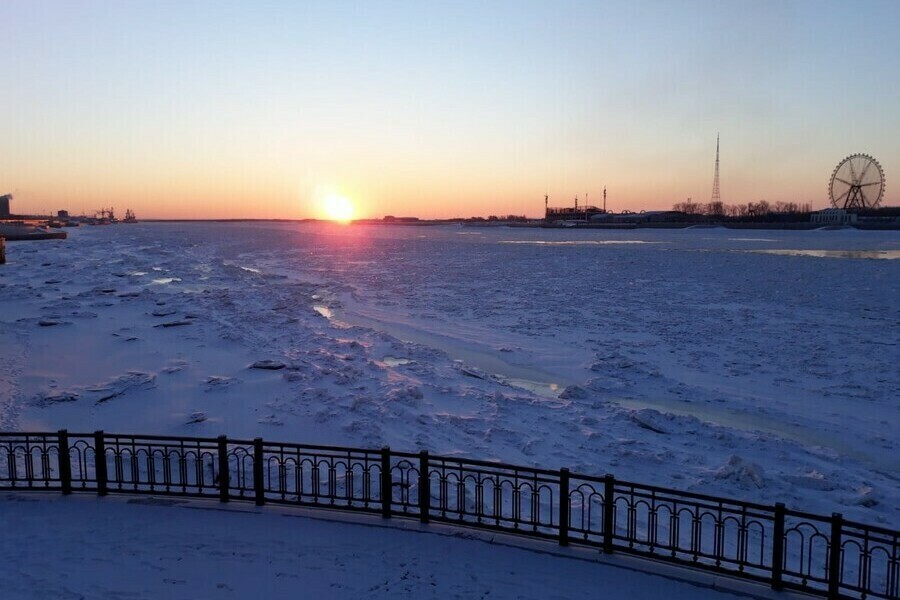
{"type": "Point", "coordinates": [784, 548]}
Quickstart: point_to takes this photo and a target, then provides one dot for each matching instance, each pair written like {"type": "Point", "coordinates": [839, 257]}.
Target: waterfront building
{"type": "Point", "coordinates": [833, 216]}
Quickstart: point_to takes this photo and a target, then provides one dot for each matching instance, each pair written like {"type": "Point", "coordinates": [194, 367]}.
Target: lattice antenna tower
{"type": "Point", "coordinates": [715, 193]}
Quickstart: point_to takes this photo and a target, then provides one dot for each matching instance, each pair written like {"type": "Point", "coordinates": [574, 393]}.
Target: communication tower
{"type": "Point", "coordinates": [715, 191]}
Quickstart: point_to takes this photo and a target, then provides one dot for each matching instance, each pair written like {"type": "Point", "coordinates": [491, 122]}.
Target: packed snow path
{"type": "Point", "coordinates": [63, 548]}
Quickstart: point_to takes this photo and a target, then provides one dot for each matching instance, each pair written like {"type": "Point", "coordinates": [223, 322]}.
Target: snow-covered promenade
{"type": "Point", "coordinates": [772, 545]}
{"type": "Point", "coordinates": [83, 547]}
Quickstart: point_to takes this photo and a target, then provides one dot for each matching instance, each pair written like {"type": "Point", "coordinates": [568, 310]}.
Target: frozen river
{"type": "Point", "coordinates": [757, 364]}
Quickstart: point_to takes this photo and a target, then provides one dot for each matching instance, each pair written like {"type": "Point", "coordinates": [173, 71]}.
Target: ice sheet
{"type": "Point", "coordinates": [557, 351]}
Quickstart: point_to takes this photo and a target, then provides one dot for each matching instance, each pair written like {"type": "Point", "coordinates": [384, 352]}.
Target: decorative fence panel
{"type": "Point", "coordinates": [158, 465]}
{"type": "Point", "coordinates": [490, 495]}
{"type": "Point", "coordinates": [694, 528]}
{"type": "Point", "coordinates": [330, 477]}
{"type": "Point", "coordinates": [30, 461]}
{"type": "Point", "coordinates": [784, 548]}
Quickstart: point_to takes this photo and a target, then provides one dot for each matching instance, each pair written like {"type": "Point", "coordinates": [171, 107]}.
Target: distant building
{"type": "Point", "coordinates": [585, 212]}
{"type": "Point", "coordinates": [890, 214]}
{"type": "Point", "coordinates": [4, 205]}
{"type": "Point", "coordinates": [651, 216]}
{"type": "Point", "coordinates": [572, 213]}
{"type": "Point", "coordinates": [62, 214]}
{"type": "Point", "coordinates": [832, 216]}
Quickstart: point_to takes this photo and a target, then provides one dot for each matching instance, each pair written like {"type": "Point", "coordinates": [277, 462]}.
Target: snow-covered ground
{"type": "Point", "coordinates": [84, 547]}
{"type": "Point", "coordinates": [706, 360]}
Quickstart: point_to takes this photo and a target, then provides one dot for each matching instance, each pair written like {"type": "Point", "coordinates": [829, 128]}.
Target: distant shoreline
{"type": "Point", "coordinates": [867, 225]}
{"type": "Point", "coordinates": [422, 222]}
{"type": "Point", "coordinates": [802, 226]}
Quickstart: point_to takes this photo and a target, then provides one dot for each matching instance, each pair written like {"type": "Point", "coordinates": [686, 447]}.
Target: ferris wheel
{"type": "Point", "coordinates": [856, 183]}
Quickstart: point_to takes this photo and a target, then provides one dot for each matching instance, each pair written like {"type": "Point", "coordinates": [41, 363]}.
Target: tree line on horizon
{"type": "Point", "coordinates": [750, 209]}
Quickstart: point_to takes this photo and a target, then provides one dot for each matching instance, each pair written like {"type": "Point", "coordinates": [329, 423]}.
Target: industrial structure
{"type": "Point", "coordinates": [585, 212]}
{"type": "Point", "coordinates": [4, 206]}
{"type": "Point", "coordinates": [105, 216]}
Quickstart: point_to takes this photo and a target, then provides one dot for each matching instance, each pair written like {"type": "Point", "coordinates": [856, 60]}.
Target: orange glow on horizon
{"type": "Point", "coordinates": [338, 208]}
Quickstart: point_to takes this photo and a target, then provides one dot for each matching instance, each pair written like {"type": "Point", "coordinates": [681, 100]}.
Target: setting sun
{"type": "Point", "coordinates": [338, 208]}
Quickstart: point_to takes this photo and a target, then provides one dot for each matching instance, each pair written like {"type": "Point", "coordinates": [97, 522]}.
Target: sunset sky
{"type": "Point", "coordinates": [245, 109]}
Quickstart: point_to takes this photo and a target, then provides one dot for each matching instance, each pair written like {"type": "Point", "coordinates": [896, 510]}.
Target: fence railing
{"type": "Point", "coordinates": [827, 556]}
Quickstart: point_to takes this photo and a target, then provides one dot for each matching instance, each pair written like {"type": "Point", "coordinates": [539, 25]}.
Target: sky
{"type": "Point", "coordinates": [217, 109]}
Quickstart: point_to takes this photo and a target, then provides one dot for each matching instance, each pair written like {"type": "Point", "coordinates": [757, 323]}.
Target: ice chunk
{"type": "Point", "coordinates": [407, 394]}
{"type": "Point", "coordinates": [648, 418]}
{"type": "Point", "coordinates": [270, 365]}
{"type": "Point", "coordinates": [867, 496]}
{"type": "Point", "coordinates": [574, 392]}
{"type": "Point", "coordinates": [118, 386]}
{"type": "Point", "coordinates": [744, 473]}
{"type": "Point", "coordinates": [813, 480]}
{"type": "Point", "coordinates": [196, 417]}
{"type": "Point", "coordinates": [49, 322]}
{"type": "Point", "coordinates": [173, 324]}
{"type": "Point", "coordinates": [51, 398]}
{"type": "Point", "coordinates": [215, 382]}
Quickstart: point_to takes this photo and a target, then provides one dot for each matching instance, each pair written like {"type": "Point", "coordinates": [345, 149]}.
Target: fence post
{"type": "Point", "coordinates": [223, 468]}
{"type": "Point", "coordinates": [834, 558]}
{"type": "Point", "coordinates": [778, 547]}
{"type": "Point", "coordinates": [258, 482]}
{"type": "Point", "coordinates": [386, 491]}
{"type": "Point", "coordinates": [609, 506]}
{"type": "Point", "coordinates": [100, 462]}
{"type": "Point", "coordinates": [65, 462]}
{"type": "Point", "coordinates": [564, 507]}
{"type": "Point", "coordinates": [424, 487]}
